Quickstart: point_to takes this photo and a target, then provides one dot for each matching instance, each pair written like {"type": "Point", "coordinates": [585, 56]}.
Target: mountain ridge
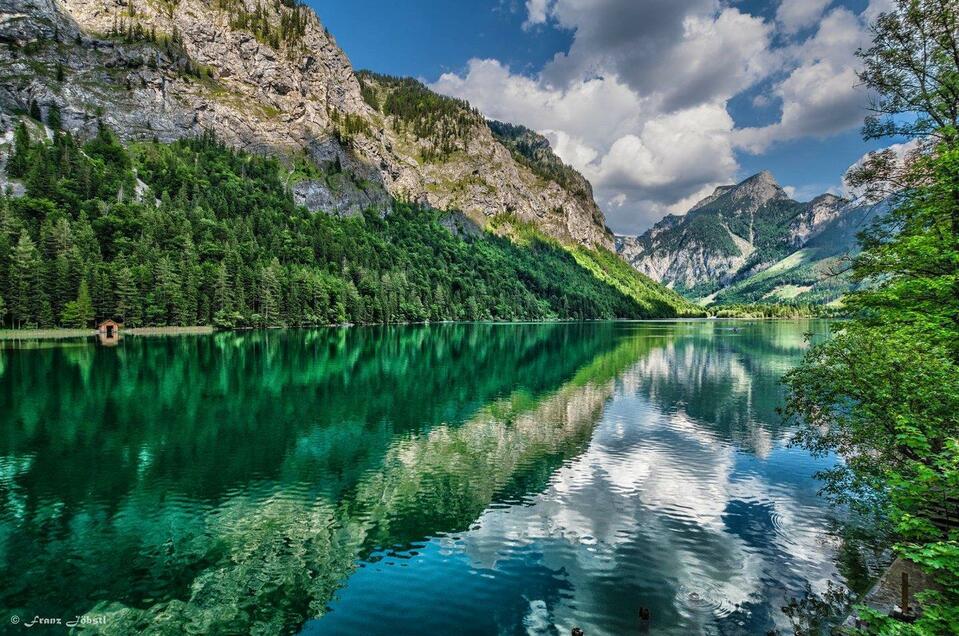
{"type": "Point", "coordinates": [267, 79]}
{"type": "Point", "coordinates": [740, 244]}
{"type": "Point", "coordinates": [224, 164]}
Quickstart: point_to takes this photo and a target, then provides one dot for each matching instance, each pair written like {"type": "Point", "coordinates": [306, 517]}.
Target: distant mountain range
{"type": "Point", "coordinates": [751, 242]}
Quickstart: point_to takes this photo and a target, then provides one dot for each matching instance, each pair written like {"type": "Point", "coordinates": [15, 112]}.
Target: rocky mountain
{"type": "Point", "coordinates": [269, 78]}
{"type": "Point", "coordinates": [751, 242]}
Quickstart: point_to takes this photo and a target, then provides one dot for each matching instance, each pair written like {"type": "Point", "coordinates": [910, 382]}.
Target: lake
{"type": "Point", "coordinates": [445, 479]}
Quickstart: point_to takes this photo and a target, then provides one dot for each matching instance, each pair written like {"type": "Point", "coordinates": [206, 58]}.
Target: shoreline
{"type": "Point", "coordinates": [60, 334]}
{"type": "Point", "coordinates": [203, 330]}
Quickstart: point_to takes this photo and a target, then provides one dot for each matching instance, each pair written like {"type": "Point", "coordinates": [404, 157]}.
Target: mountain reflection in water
{"type": "Point", "coordinates": [410, 480]}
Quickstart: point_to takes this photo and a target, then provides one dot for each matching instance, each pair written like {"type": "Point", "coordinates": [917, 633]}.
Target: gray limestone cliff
{"type": "Point", "coordinates": [268, 78]}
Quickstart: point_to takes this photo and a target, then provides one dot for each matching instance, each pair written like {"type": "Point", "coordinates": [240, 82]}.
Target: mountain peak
{"type": "Point", "coordinates": [827, 199]}
{"type": "Point", "coordinates": [764, 177]}
{"type": "Point", "coordinates": [756, 191]}
{"type": "Point", "coordinates": [751, 192]}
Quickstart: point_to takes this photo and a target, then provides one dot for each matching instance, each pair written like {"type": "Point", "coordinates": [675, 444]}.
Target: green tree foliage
{"type": "Point", "coordinates": [443, 123]}
{"type": "Point", "coordinates": [79, 313]}
{"type": "Point", "coordinates": [53, 117]}
{"type": "Point", "coordinates": [283, 25]}
{"type": "Point", "coordinates": [884, 393]}
{"type": "Point", "coordinates": [217, 239]}
{"type": "Point", "coordinates": [18, 164]}
{"type": "Point", "coordinates": [348, 125]}
{"type": "Point", "coordinates": [776, 310]}
{"type": "Point", "coordinates": [25, 292]}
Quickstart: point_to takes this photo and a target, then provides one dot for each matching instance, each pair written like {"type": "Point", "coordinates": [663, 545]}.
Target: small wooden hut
{"type": "Point", "coordinates": [109, 329]}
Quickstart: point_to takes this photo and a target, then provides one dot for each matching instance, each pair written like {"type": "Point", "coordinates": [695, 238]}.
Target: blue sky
{"type": "Point", "coordinates": [655, 101]}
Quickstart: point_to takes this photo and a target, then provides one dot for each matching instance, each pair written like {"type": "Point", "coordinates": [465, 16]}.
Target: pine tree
{"type": "Point", "coordinates": [53, 117]}
{"type": "Point", "coordinates": [79, 313]}
{"type": "Point", "coordinates": [25, 281]}
{"type": "Point", "coordinates": [269, 291]}
{"type": "Point", "coordinates": [101, 290]}
{"type": "Point", "coordinates": [3, 311]}
{"type": "Point", "coordinates": [19, 162]}
{"type": "Point", "coordinates": [223, 291]}
{"type": "Point", "coordinates": [189, 281]}
{"type": "Point", "coordinates": [167, 299]}
{"type": "Point", "coordinates": [40, 183]}
{"type": "Point", "coordinates": [127, 296]}
{"type": "Point", "coordinates": [85, 240]}
{"type": "Point", "coordinates": [35, 110]}
{"type": "Point", "coordinates": [45, 316]}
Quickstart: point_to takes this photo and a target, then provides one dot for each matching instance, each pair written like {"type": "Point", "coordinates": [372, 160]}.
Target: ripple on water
{"type": "Point", "coordinates": [705, 598]}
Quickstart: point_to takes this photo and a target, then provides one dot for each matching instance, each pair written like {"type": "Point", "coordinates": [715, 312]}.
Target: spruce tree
{"type": "Point", "coordinates": [53, 117]}
{"type": "Point", "coordinates": [126, 295]}
{"type": "Point", "coordinates": [39, 180]}
{"type": "Point", "coordinates": [25, 281]}
{"type": "Point", "coordinates": [19, 162]}
{"type": "Point", "coordinates": [79, 313]}
{"type": "Point", "coordinates": [269, 291]}
{"type": "Point", "coordinates": [189, 282]}
{"type": "Point", "coordinates": [223, 291]}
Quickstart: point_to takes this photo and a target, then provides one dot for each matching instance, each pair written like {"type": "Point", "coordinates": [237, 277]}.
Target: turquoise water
{"type": "Point", "coordinates": [449, 479]}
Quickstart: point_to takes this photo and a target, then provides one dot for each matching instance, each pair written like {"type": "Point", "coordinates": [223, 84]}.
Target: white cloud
{"type": "Point", "coordinates": [668, 150]}
{"type": "Point", "coordinates": [877, 7]}
{"type": "Point", "coordinates": [639, 101]}
{"type": "Point", "coordinates": [536, 13]}
{"type": "Point", "coordinates": [822, 94]}
{"type": "Point", "coordinates": [795, 15]}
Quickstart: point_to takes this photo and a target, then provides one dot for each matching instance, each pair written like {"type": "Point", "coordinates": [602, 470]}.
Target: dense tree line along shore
{"type": "Point", "coordinates": [195, 233]}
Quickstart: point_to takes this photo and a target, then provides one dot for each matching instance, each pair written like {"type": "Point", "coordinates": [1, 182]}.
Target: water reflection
{"type": "Point", "coordinates": [531, 476]}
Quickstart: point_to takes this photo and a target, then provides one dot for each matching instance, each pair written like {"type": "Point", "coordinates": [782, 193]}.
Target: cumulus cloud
{"type": "Point", "coordinates": [535, 12]}
{"type": "Point", "coordinates": [639, 102]}
{"type": "Point", "coordinates": [794, 15]}
{"type": "Point", "coordinates": [822, 94]}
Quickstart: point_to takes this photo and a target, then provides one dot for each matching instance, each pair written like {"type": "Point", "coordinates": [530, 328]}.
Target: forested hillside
{"type": "Point", "coordinates": [193, 232]}
{"type": "Point", "coordinates": [269, 78]}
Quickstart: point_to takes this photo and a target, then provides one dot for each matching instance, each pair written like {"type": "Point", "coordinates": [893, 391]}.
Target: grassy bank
{"type": "Point", "coordinates": [44, 334]}
{"type": "Point", "coordinates": [54, 334]}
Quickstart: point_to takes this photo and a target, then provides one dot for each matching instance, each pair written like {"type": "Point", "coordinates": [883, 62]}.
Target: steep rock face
{"type": "Point", "coordinates": [688, 261]}
{"type": "Point", "coordinates": [253, 96]}
{"type": "Point", "coordinates": [736, 233]}
{"type": "Point", "coordinates": [266, 78]}
{"type": "Point", "coordinates": [533, 150]}
{"type": "Point", "coordinates": [817, 214]}
{"type": "Point", "coordinates": [450, 158]}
